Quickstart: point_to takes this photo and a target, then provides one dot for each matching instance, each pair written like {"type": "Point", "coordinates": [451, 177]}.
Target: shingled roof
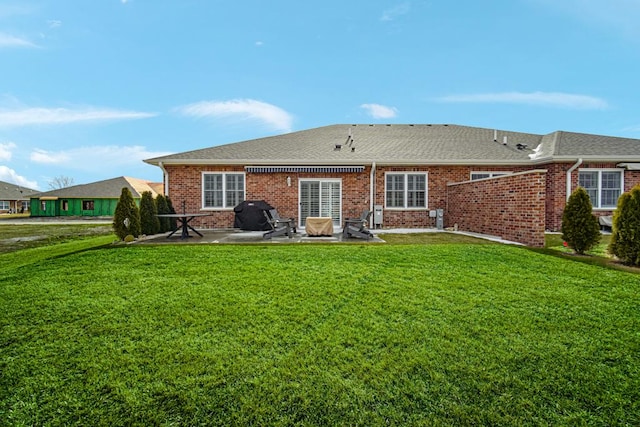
{"type": "Point", "coordinates": [107, 189]}
{"type": "Point", "coordinates": [10, 191]}
{"type": "Point", "coordinates": [410, 144]}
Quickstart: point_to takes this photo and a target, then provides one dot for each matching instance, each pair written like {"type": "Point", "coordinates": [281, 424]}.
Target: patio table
{"type": "Point", "coordinates": [184, 219]}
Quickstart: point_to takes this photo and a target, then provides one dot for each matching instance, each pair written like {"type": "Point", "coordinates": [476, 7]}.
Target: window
{"type": "Point", "coordinates": [603, 186]}
{"type": "Point", "coordinates": [483, 175]}
{"type": "Point", "coordinates": [87, 205]}
{"type": "Point", "coordinates": [65, 205]}
{"type": "Point", "coordinates": [4, 205]}
{"type": "Point", "coordinates": [222, 190]}
{"type": "Point", "coordinates": [406, 190]}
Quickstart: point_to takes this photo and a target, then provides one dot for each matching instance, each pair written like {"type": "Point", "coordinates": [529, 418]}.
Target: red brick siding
{"type": "Point", "coordinates": [511, 207]}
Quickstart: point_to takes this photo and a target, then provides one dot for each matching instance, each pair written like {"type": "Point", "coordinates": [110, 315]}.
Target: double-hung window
{"type": "Point", "coordinates": [406, 190]}
{"type": "Point", "coordinates": [603, 186]}
{"type": "Point", "coordinates": [222, 190]}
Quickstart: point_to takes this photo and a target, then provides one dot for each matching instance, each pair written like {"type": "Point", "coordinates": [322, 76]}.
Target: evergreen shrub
{"type": "Point", "coordinates": [579, 226]}
{"type": "Point", "coordinates": [126, 218]}
{"type": "Point", "coordinates": [625, 238]}
{"type": "Point", "coordinates": [149, 222]}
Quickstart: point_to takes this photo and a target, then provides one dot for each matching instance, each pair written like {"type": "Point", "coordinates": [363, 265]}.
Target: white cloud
{"type": "Point", "coordinates": [394, 12]}
{"type": "Point", "coordinates": [549, 99]}
{"type": "Point", "coordinates": [84, 158]}
{"type": "Point", "coordinates": [46, 157]}
{"type": "Point", "coordinates": [9, 175]}
{"type": "Point", "coordinates": [244, 109]}
{"type": "Point", "coordinates": [57, 116]}
{"type": "Point", "coordinates": [378, 111]}
{"type": "Point", "coordinates": [6, 150]}
{"type": "Point", "coordinates": [7, 40]}
{"type": "Point", "coordinates": [54, 23]}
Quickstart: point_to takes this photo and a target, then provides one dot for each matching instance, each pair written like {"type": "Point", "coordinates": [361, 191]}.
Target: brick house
{"type": "Point", "coordinates": [508, 184]}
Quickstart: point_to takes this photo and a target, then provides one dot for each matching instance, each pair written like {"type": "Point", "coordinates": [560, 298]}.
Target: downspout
{"type": "Point", "coordinates": [165, 179]}
{"type": "Point", "coordinates": [571, 169]}
{"type": "Point", "coordinates": [372, 190]}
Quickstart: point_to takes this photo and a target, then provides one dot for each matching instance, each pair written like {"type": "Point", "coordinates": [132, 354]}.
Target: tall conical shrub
{"type": "Point", "coordinates": [163, 208]}
{"type": "Point", "coordinates": [625, 238]}
{"type": "Point", "coordinates": [173, 223]}
{"type": "Point", "coordinates": [579, 226]}
{"type": "Point", "coordinates": [126, 218]}
{"type": "Point", "coordinates": [149, 222]}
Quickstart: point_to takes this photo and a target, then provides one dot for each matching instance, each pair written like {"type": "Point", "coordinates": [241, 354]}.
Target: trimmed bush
{"type": "Point", "coordinates": [126, 218]}
{"type": "Point", "coordinates": [625, 239]}
{"type": "Point", "coordinates": [173, 223]}
{"type": "Point", "coordinates": [163, 208]}
{"type": "Point", "coordinates": [579, 226]}
{"type": "Point", "coordinates": [149, 222]}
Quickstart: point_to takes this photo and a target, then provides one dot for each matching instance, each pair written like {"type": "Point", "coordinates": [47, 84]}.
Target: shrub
{"type": "Point", "coordinates": [579, 226]}
{"type": "Point", "coordinates": [173, 223]}
{"type": "Point", "coordinates": [126, 218]}
{"type": "Point", "coordinates": [625, 239]}
{"type": "Point", "coordinates": [163, 208]}
{"type": "Point", "coordinates": [149, 222]}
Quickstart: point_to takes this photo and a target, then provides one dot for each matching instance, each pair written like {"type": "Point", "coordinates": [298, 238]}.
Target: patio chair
{"type": "Point", "coordinates": [279, 226]}
{"type": "Point", "coordinates": [357, 227]}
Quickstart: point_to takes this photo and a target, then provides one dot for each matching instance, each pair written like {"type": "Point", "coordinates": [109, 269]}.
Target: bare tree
{"type": "Point", "coordinates": [60, 182]}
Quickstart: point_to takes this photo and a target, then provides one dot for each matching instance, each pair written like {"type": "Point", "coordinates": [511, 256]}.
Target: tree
{"type": "Point", "coordinates": [126, 218]}
{"type": "Point", "coordinates": [163, 209]}
{"type": "Point", "coordinates": [149, 222]}
{"type": "Point", "coordinates": [60, 182]}
{"type": "Point", "coordinates": [579, 226]}
{"type": "Point", "coordinates": [173, 223]}
{"type": "Point", "coordinates": [625, 238]}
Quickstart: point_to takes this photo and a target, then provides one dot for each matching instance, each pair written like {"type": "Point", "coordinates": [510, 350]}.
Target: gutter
{"type": "Point", "coordinates": [372, 190]}
{"type": "Point", "coordinates": [165, 178]}
{"type": "Point", "coordinates": [571, 169]}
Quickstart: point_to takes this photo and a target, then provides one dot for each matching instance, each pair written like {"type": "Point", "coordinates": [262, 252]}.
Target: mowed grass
{"type": "Point", "coordinates": [447, 334]}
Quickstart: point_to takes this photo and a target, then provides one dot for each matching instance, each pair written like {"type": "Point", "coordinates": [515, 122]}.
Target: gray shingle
{"type": "Point", "coordinates": [406, 144]}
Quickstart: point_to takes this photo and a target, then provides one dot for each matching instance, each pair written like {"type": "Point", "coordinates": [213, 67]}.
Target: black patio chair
{"type": "Point", "coordinates": [357, 227]}
{"type": "Point", "coordinates": [279, 226]}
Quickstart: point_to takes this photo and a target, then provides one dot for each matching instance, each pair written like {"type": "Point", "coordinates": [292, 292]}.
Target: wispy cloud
{"type": "Point", "coordinates": [54, 23]}
{"type": "Point", "coordinates": [9, 175]}
{"type": "Point", "coordinates": [83, 158]}
{"type": "Point", "coordinates": [378, 111]}
{"type": "Point", "coordinates": [6, 151]}
{"type": "Point", "coordinates": [241, 109]}
{"type": "Point", "coordinates": [8, 41]}
{"type": "Point", "coordinates": [58, 116]}
{"type": "Point", "coordinates": [396, 11]}
{"type": "Point", "coordinates": [621, 16]}
{"type": "Point", "coordinates": [548, 99]}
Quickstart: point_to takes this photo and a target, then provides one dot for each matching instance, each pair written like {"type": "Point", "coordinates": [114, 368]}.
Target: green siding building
{"type": "Point", "coordinates": [95, 199]}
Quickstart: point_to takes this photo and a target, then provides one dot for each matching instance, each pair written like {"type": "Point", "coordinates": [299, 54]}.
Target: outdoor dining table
{"type": "Point", "coordinates": [184, 219]}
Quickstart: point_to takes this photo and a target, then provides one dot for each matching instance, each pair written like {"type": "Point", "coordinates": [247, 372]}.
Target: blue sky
{"type": "Point", "coordinates": [88, 89]}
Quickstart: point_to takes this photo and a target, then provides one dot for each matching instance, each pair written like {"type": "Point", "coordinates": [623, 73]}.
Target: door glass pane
{"type": "Point", "coordinates": [309, 200]}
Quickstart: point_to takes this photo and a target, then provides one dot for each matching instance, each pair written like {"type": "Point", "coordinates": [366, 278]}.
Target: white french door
{"type": "Point", "coordinates": [321, 197]}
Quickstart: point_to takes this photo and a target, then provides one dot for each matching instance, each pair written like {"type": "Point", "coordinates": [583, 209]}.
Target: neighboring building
{"type": "Point", "coordinates": [14, 198]}
{"type": "Point", "coordinates": [508, 184]}
{"type": "Point", "coordinates": [94, 199]}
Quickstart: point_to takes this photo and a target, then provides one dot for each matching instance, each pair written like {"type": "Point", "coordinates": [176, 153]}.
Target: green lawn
{"type": "Point", "coordinates": [415, 334]}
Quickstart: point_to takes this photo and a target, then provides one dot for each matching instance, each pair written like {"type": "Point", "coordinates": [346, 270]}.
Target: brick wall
{"type": "Point", "coordinates": [511, 207]}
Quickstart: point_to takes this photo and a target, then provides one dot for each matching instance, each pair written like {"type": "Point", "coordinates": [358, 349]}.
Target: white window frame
{"type": "Point", "coordinates": [224, 175]}
{"type": "Point", "coordinates": [492, 174]}
{"type": "Point", "coordinates": [4, 205]}
{"type": "Point", "coordinates": [406, 191]}
{"type": "Point", "coordinates": [598, 206]}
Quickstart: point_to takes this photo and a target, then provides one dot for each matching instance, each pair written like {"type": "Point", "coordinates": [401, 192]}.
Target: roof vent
{"type": "Point", "coordinates": [338, 147]}
{"type": "Point", "coordinates": [521, 146]}
{"type": "Point", "coordinates": [504, 140]}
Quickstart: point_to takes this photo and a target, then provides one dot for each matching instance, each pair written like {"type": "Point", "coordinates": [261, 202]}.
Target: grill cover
{"type": "Point", "coordinates": [249, 215]}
